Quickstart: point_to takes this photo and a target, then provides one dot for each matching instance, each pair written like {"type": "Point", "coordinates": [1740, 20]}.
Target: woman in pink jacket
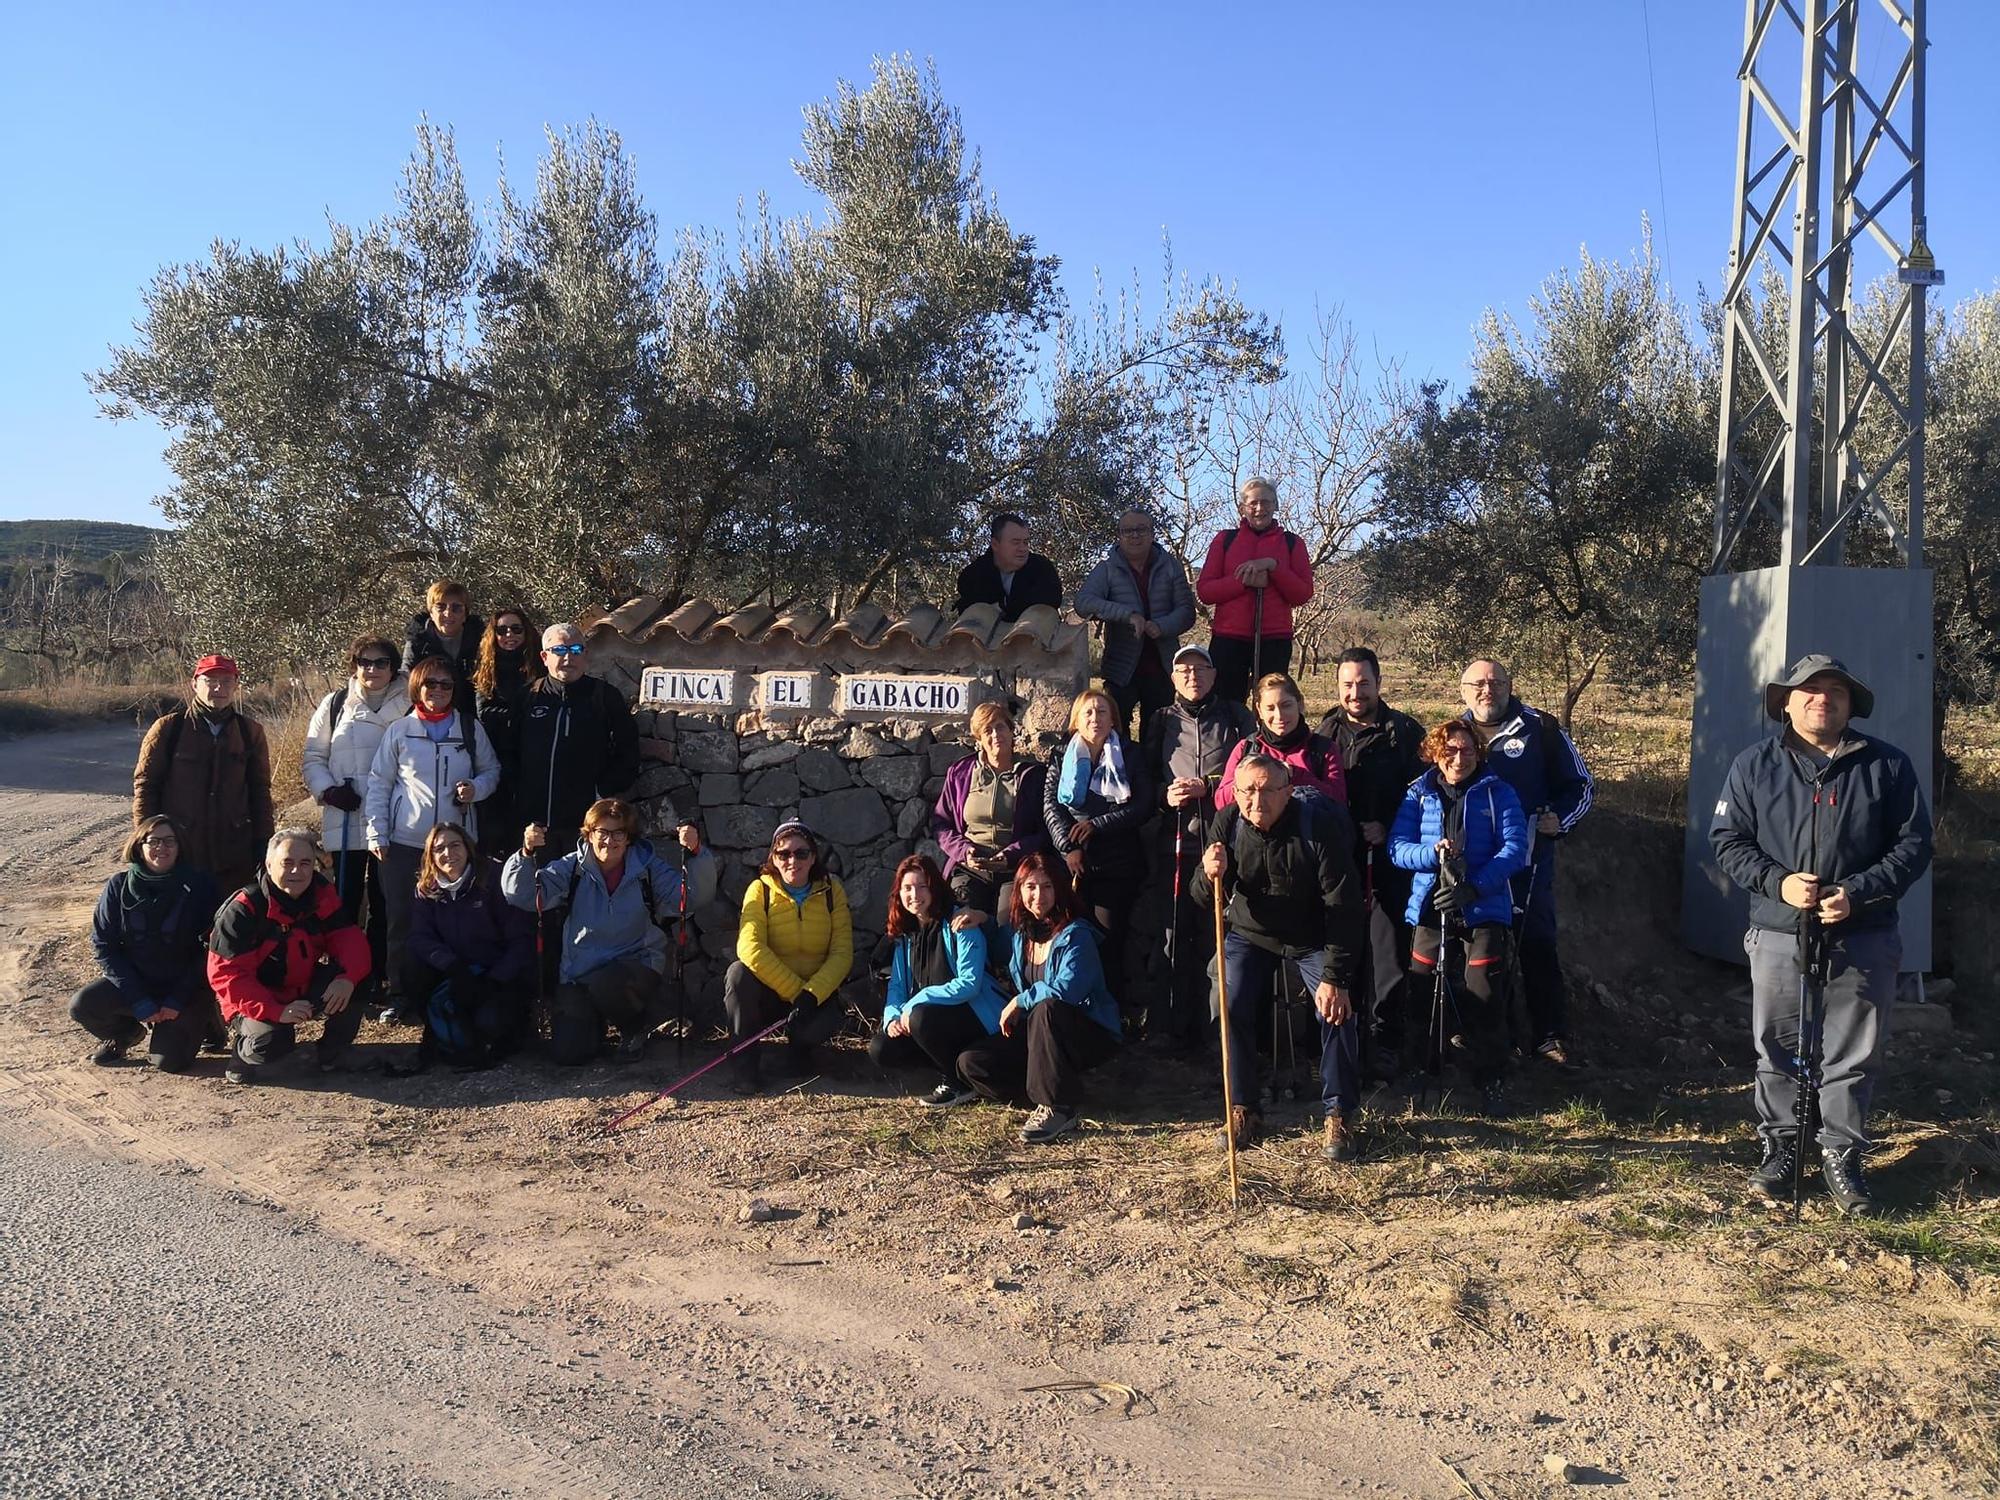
{"type": "Point", "coordinates": [1252, 579]}
{"type": "Point", "coordinates": [1283, 734]}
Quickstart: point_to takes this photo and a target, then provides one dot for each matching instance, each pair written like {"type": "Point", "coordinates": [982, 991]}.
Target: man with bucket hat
{"type": "Point", "coordinates": [1826, 828]}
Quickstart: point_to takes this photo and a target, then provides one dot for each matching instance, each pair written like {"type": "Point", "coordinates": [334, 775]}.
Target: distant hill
{"type": "Point", "coordinates": [87, 541]}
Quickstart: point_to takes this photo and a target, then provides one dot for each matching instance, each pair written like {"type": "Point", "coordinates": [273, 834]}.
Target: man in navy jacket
{"type": "Point", "coordinates": [1821, 824]}
{"type": "Point", "coordinates": [1528, 750]}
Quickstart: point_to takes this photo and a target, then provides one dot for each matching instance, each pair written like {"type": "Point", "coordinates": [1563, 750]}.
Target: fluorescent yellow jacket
{"type": "Point", "coordinates": [792, 948]}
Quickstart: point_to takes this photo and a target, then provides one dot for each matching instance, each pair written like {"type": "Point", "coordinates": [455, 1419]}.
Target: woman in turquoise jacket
{"type": "Point", "coordinates": [1062, 1021]}
{"type": "Point", "coordinates": [941, 1000]}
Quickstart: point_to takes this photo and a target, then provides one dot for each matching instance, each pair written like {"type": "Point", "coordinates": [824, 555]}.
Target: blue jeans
{"type": "Point", "coordinates": [1249, 970]}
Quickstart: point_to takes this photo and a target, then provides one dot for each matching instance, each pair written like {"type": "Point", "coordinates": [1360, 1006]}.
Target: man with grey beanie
{"type": "Point", "coordinates": [1827, 828]}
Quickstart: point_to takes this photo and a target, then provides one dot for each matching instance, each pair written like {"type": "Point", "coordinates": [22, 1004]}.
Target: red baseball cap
{"type": "Point", "coordinates": [214, 662]}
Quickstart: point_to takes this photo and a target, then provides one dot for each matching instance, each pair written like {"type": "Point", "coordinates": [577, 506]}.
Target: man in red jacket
{"type": "Point", "coordinates": [283, 951]}
{"type": "Point", "coordinates": [1253, 578]}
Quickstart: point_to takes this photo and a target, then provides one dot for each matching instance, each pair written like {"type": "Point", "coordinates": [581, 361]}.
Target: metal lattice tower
{"type": "Point", "coordinates": [1819, 192]}
{"type": "Point", "coordinates": [1845, 168]}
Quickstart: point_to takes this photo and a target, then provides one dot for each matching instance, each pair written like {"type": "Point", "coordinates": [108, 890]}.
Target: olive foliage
{"type": "Point", "coordinates": [546, 400]}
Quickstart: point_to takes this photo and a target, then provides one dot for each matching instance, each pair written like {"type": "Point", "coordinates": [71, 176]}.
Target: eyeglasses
{"type": "Point", "coordinates": [1483, 684]}
{"type": "Point", "coordinates": [1457, 749]}
{"type": "Point", "coordinates": [510, 630]}
{"type": "Point", "coordinates": [1135, 531]}
{"type": "Point", "coordinates": [373, 663]}
{"type": "Point", "coordinates": [574, 648]}
{"type": "Point", "coordinates": [160, 841]}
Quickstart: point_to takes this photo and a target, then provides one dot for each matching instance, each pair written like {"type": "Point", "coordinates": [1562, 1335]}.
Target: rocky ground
{"type": "Point", "coordinates": [860, 1297]}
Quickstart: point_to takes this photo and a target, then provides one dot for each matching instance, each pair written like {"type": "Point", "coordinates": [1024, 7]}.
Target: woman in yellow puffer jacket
{"type": "Point", "coordinates": [794, 946]}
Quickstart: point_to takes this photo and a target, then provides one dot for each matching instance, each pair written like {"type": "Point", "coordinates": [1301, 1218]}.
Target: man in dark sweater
{"type": "Point", "coordinates": [1008, 574]}
{"type": "Point", "coordinates": [1379, 751]}
{"type": "Point", "coordinates": [1286, 866]}
{"type": "Point", "coordinates": [1827, 829]}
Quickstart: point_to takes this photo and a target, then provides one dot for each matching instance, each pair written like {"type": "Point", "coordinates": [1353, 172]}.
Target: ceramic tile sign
{"type": "Point", "coordinates": [785, 692]}
{"type": "Point", "coordinates": [905, 697]}
{"type": "Point", "coordinates": [688, 687]}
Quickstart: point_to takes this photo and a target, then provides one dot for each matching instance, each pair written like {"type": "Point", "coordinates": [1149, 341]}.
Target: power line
{"type": "Point", "coordinates": [1659, 161]}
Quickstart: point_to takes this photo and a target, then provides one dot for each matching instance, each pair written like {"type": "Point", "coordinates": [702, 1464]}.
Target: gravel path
{"type": "Point", "coordinates": [160, 1339]}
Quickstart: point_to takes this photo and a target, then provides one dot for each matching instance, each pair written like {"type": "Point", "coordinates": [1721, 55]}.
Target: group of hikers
{"type": "Point", "coordinates": [477, 873]}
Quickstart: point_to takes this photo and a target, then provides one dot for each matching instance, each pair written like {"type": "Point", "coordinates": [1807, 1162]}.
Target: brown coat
{"type": "Point", "coordinates": [216, 787]}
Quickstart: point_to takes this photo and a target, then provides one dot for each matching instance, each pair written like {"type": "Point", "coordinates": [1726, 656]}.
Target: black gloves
{"type": "Point", "coordinates": [343, 798]}
{"type": "Point", "coordinates": [803, 1010]}
{"type": "Point", "coordinates": [1455, 891]}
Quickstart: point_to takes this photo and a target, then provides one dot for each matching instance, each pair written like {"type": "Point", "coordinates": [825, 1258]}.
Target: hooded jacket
{"type": "Point", "coordinates": [411, 777]}
{"type": "Point", "coordinates": [343, 750]}
{"type": "Point", "coordinates": [1073, 975]}
{"type": "Point", "coordinates": [151, 937]}
{"type": "Point", "coordinates": [261, 956]}
{"type": "Point", "coordinates": [604, 925]}
{"type": "Point", "coordinates": [1496, 844]}
{"type": "Point", "coordinates": [1293, 888]}
{"type": "Point", "coordinates": [1859, 822]}
{"type": "Point", "coordinates": [1111, 594]}
{"type": "Point", "coordinates": [796, 948]}
{"type": "Point", "coordinates": [970, 983]}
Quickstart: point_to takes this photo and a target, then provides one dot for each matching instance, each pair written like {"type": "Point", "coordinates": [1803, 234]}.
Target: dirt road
{"type": "Point", "coordinates": [889, 1330]}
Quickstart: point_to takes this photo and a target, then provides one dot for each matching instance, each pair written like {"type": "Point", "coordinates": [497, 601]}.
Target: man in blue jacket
{"type": "Point", "coordinates": [1826, 828]}
{"type": "Point", "coordinates": [1528, 750]}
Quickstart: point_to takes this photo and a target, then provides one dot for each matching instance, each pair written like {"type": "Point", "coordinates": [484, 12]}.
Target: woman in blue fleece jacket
{"type": "Point", "coordinates": [1062, 1020]}
{"type": "Point", "coordinates": [941, 1000]}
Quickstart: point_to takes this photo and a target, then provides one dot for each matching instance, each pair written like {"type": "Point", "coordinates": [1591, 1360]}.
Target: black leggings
{"type": "Point", "coordinates": [938, 1034]}
{"type": "Point", "coordinates": [1464, 996]}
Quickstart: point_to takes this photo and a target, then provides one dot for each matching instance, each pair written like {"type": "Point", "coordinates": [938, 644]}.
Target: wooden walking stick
{"type": "Point", "coordinates": [1222, 1011]}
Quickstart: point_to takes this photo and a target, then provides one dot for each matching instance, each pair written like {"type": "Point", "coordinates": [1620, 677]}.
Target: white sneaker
{"type": "Point", "coordinates": [1045, 1124]}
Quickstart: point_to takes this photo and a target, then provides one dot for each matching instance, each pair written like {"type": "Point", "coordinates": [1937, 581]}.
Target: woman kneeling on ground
{"type": "Point", "coordinates": [1062, 1020]}
{"type": "Point", "coordinates": [284, 951]}
{"type": "Point", "coordinates": [941, 999]}
{"type": "Point", "coordinates": [1461, 829]}
{"type": "Point", "coordinates": [150, 934]}
{"type": "Point", "coordinates": [794, 946]}
{"type": "Point", "coordinates": [620, 891]}
{"type": "Point", "coordinates": [470, 958]}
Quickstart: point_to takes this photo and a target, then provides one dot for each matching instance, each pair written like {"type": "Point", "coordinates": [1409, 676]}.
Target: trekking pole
{"type": "Point", "coordinates": [673, 1088]}
{"type": "Point", "coordinates": [1222, 1013]}
{"type": "Point", "coordinates": [340, 865]}
{"type": "Point", "coordinates": [541, 973]}
{"type": "Point", "coordinates": [680, 965]}
{"type": "Point", "coordinates": [1806, 1049]}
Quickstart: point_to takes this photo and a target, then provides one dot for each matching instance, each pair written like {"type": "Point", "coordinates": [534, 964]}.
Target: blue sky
{"type": "Point", "coordinates": [1411, 164]}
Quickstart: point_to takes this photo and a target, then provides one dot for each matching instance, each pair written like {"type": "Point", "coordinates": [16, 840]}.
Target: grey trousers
{"type": "Point", "coordinates": [1860, 986]}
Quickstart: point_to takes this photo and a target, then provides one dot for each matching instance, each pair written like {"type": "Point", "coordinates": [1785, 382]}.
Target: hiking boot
{"type": "Point", "coordinates": [238, 1073]}
{"type": "Point", "coordinates": [632, 1047]}
{"type": "Point", "coordinates": [1246, 1126]}
{"type": "Point", "coordinates": [109, 1054]}
{"type": "Point", "coordinates": [1045, 1123]}
{"type": "Point", "coordinates": [1554, 1051]}
{"type": "Point", "coordinates": [948, 1095]}
{"type": "Point", "coordinates": [1773, 1178]}
{"type": "Point", "coordinates": [1493, 1103]}
{"type": "Point", "coordinates": [1841, 1167]}
{"type": "Point", "coordinates": [1337, 1142]}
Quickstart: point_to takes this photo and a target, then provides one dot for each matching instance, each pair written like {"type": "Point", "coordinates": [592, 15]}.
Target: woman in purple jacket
{"type": "Point", "coordinates": [470, 958]}
{"type": "Point", "coordinates": [988, 817]}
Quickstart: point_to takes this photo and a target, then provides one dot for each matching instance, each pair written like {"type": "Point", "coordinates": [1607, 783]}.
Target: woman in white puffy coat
{"type": "Point", "coordinates": [433, 766]}
{"type": "Point", "coordinates": [341, 741]}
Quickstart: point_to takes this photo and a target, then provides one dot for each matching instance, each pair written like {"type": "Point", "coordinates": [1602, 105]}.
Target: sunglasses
{"type": "Point", "coordinates": [575, 648]}
{"type": "Point", "coordinates": [435, 685]}
{"type": "Point", "coordinates": [790, 853]}
{"type": "Point", "coordinates": [371, 663]}
{"type": "Point", "coordinates": [510, 630]}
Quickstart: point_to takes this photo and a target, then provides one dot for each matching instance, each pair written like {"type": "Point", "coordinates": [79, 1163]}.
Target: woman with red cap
{"type": "Point", "coordinates": [207, 766]}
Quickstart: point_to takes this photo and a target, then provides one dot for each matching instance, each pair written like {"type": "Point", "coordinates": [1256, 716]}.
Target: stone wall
{"type": "Point", "coordinates": [865, 785]}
